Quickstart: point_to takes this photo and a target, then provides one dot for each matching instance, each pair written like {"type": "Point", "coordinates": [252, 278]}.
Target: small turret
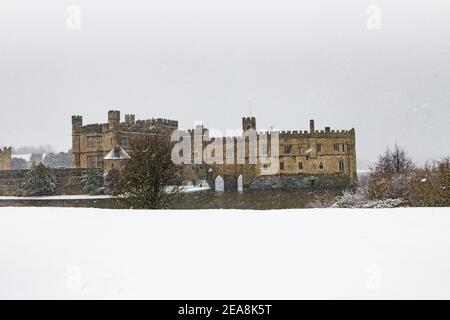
{"type": "Point", "coordinates": [311, 126]}
{"type": "Point", "coordinates": [77, 122]}
{"type": "Point", "coordinates": [248, 123]}
{"type": "Point", "coordinates": [130, 119]}
{"type": "Point", "coordinates": [113, 119]}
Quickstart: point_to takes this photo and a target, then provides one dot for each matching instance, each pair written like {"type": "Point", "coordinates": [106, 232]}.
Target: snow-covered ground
{"type": "Point", "coordinates": [185, 189]}
{"type": "Point", "coordinates": [225, 254]}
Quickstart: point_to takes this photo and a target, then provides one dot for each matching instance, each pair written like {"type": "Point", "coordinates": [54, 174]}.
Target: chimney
{"type": "Point", "coordinates": [311, 126]}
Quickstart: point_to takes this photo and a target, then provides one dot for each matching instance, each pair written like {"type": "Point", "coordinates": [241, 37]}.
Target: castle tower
{"type": "Point", "coordinates": [77, 123]}
{"type": "Point", "coordinates": [248, 123]}
{"type": "Point", "coordinates": [113, 125]}
{"type": "Point", "coordinates": [5, 159]}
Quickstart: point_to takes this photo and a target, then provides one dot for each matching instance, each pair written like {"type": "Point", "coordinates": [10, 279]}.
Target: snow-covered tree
{"type": "Point", "coordinates": [149, 179]}
{"type": "Point", "coordinates": [93, 181]}
{"type": "Point", "coordinates": [40, 181]}
{"type": "Point", "coordinates": [112, 181]}
{"type": "Point", "coordinates": [59, 160]}
{"type": "Point", "coordinates": [389, 178]}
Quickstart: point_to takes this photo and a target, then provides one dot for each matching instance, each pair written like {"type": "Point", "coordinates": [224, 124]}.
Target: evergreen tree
{"type": "Point", "coordinates": [93, 181]}
{"type": "Point", "coordinates": [149, 179]}
{"type": "Point", "coordinates": [40, 181]}
{"type": "Point", "coordinates": [112, 181]}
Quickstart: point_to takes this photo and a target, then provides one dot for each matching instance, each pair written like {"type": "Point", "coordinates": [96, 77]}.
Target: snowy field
{"type": "Point", "coordinates": [224, 254]}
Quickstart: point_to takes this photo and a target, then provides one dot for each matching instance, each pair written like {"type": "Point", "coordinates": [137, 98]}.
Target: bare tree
{"type": "Point", "coordinates": [149, 179]}
{"type": "Point", "coordinates": [430, 185]}
{"type": "Point", "coordinates": [389, 178]}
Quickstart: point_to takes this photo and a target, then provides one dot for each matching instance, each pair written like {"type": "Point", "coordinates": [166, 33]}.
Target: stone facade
{"type": "Point", "coordinates": [307, 159]}
{"type": "Point", "coordinates": [5, 159]}
{"type": "Point", "coordinates": [92, 143]}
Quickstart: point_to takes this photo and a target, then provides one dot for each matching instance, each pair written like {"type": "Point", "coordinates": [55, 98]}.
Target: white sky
{"type": "Point", "coordinates": [202, 59]}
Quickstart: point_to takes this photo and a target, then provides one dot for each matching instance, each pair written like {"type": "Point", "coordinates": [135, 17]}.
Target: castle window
{"type": "Point", "coordinates": [265, 151]}
{"type": "Point", "coordinates": [287, 148]}
{"type": "Point", "coordinates": [319, 148]}
{"type": "Point", "coordinates": [265, 165]}
{"type": "Point", "coordinates": [343, 147]}
{"type": "Point", "coordinates": [321, 166]}
{"type": "Point", "coordinates": [336, 147]}
{"type": "Point", "coordinates": [124, 142]}
{"type": "Point", "coordinates": [349, 147]}
{"type": "Point", "coordinates": [300, 165]}
{"type": "Point", "coordinates": [341, 165]}
{"type": "Point", "coordinates": [281, 165]}
{"type": "Point", "coordinates": [92, 162]}
{"type": "Point", "coordinates": [307, 158]}
{"type": "Point", "coordinates": [92, 142]}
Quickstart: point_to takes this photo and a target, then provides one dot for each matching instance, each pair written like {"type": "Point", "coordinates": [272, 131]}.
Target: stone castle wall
{"type": "Point", "coordinates": [69, 182]}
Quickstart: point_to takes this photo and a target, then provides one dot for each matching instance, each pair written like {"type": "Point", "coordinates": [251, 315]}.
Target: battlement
{"type": "Point", "coordinates": [316, 133]}
{"type": "Point", "coordinates": [156, 122]}
{"type": "Point", "coordinates": [114, 123]}
{"type": "Point", "coordinates": [93, 128]}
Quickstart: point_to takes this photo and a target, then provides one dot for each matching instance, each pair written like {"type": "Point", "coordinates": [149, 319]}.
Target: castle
{"type": "Point", "coordinates": [5, 159]}
{"type": "Point", "coordinates": [305, 159]}
{"type": "Point", "coordinates": [98, 145]}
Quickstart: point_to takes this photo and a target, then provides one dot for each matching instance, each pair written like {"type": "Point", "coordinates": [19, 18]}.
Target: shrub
{"type": "Point", "coordinates": [430, 185]}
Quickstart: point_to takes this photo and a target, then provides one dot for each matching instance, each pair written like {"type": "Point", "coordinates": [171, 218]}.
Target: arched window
{"type": "Point", "coordinates": [341, 165]}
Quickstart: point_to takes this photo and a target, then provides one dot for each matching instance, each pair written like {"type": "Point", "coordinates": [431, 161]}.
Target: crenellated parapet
{"type": "Point", "coordinates": [317, 134]}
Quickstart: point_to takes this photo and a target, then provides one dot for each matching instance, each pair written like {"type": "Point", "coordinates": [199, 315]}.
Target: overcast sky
{"type": "Point", "coordinates": [194, 60]}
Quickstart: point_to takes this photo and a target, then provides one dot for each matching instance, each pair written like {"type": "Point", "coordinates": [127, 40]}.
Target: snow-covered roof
{"type": "Point", "coordinates": [26, 157]}
{"type": "Point", "coordinates": [117, 153]}
{"type": "Point", "coordinates": [29, 156]}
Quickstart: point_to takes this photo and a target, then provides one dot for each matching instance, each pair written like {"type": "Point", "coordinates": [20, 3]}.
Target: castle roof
{"type": "Point", "coordinates": [117, 153]}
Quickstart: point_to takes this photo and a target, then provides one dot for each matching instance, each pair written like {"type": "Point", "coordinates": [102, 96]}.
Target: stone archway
{"type": "Point", "coordinates": [240, 183]}
{"type": "Point", "coordinates": [219, 184]}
